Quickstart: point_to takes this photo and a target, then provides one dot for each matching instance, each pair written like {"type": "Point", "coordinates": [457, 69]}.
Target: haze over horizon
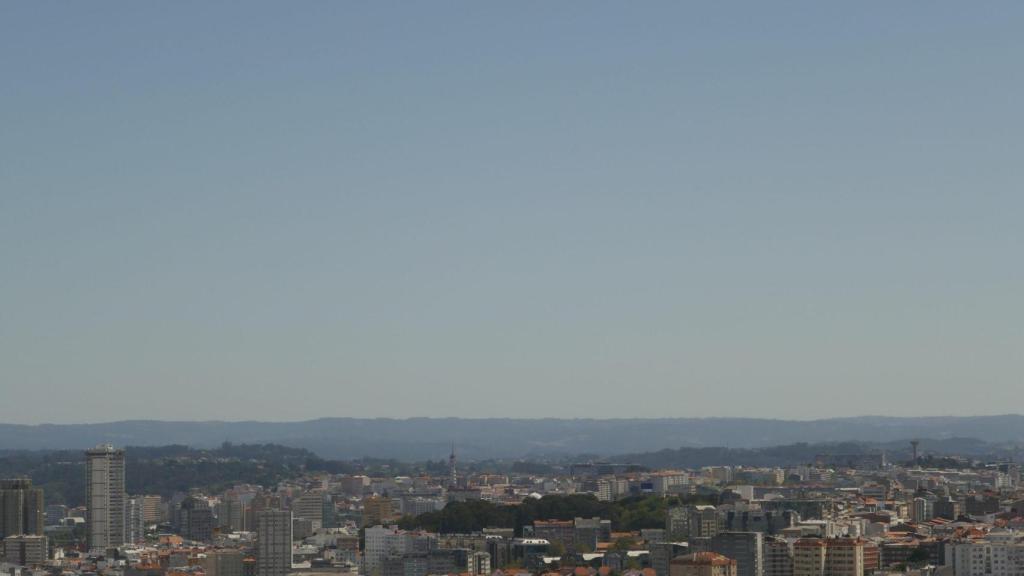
{"type": "Point", "coordinates": [259, 212]}
{"type": "Point", "coordinates": [513, 438]}
{"type": "Point", "coordinates": [515, 418]}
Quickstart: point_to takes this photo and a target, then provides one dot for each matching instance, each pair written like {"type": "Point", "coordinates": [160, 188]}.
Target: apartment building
{"type": "Point", "coordinates": [999, 554]}
{"type": "Point", "coordinates": [702, 564]}
{"type": "Point", "coordinates": [828, 557]}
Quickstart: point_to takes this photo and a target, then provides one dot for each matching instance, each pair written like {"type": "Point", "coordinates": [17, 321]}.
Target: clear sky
{"type": "Point", "coordinates": [286, 210]}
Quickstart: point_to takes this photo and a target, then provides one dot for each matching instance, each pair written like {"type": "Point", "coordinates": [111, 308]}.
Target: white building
{"type": "Point", "coordinates": [922, 510]}
{"type": "Point", "coordinates": [999, 554]}
{"type": "Point", "coordinates": [135, 519]}
{"type": "Point", "coordinates": [665, 482]}
{"type": "Point", "coordinates": [388, 542]}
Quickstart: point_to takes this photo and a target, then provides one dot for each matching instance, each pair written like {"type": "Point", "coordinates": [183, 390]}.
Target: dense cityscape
{"type": "Point", "coordinates": [532, 288]}
{"type": "Point", "coordinates": [837, 515]}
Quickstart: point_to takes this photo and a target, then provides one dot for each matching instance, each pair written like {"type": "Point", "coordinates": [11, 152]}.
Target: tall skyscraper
{"type": "Point", "coordinates": [273, 542]}
{"type": "Point", "coordinates": [105, 497]}
{"type": "Point", "coordinates": [21, 508]}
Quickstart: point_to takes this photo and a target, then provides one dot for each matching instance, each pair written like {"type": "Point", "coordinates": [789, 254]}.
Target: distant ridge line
{"type": "Point", "coordinates": [478, 438]}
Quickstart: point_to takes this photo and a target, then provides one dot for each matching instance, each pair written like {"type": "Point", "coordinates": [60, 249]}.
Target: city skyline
{"type": "Point", "coordinates": [531, 288]}
{"type": "Point", "coordinates": [803, 513]}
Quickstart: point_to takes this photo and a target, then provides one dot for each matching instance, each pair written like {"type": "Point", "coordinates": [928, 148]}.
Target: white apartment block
{"type": "Point", "coordinates": [1000, 554]}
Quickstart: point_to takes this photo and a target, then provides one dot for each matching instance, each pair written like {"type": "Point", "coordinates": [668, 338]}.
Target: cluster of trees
{"type": "Point", "coordinates": [947, 462]}
{"type": "Point", "coordinates": [474, 515]}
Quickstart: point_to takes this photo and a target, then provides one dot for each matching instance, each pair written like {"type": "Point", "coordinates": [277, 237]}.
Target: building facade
{"type": "Point", "coordinates": [21, 508]}
{"type": "Point", "coordinates": [135, 520]}
{"type": "Point", "coordinates": [273, 542]}
{"type": "Point", "coordinates": [828, 557]}
{"type": "Point", "coordinates": [383, 542]}
{"type": "Point", "coordinates": [702, 564]}
{"type": "Point", "coordinates": [223, 562]}
{"type": "Point", "coordinates": [105, 497]}
{"type": "Point", "coordinates": [999, 554]}
{"type": "Point", "coordinates": [778, 557]}
{"type": "Point", "coordinates": [746, 548]}
{"type": "Point", "coordinates": [25, 550]}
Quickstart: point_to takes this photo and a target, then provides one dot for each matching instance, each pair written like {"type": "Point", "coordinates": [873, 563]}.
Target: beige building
{"type": "Point", "coordinates": [223, 562]}
{"type": "Point", "coordinates": [702, 564]}
{"type": "Point", "coordinates": [152, 509]}
{"type": "Point", "coordinates": [377, 510]}
{"type": "Point", "coordinates": [310, 506]}
{"type": "Point", "coordinates": [828, 557]}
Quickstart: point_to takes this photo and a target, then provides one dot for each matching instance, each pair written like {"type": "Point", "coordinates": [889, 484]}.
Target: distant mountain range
{"type": "Point", "coordinates": [431, 438]}
{"type": "Point", "coordinates": [942, 453]}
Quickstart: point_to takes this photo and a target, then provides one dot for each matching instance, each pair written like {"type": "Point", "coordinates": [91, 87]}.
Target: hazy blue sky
{"type": "Point", "coordinates": [297, 209]}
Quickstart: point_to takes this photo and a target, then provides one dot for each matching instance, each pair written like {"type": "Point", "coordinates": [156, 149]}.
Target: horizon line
{"type": "Point", "coordinates": [517, 418]}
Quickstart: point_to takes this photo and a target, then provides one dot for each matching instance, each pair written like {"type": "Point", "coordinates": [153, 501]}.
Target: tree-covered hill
{"type": "Point", "coordinates": [168, 469]}
{"type": "Point", "coordinates": [474, 515]}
